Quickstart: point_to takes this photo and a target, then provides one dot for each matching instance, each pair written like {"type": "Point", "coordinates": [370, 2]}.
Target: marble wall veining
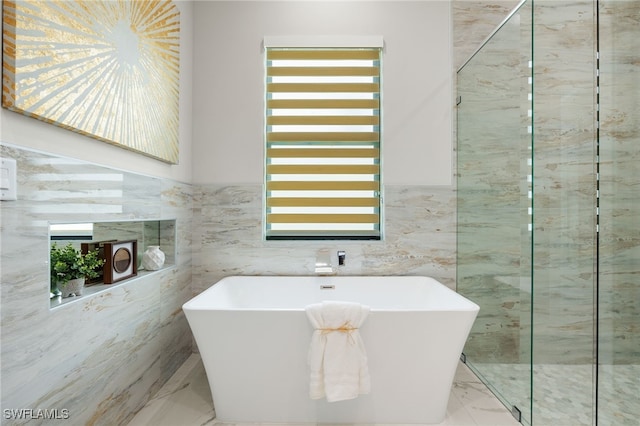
{"type": "Point", "coordinates": [493, 201]}
{"type": "Point", "coordinates": [620, 182]}
{"type": "Point", "coordinates": [619, 242]}
{"type": "Point", "coordinates": [472, 22]}
{"type": "Point", "coordinates": [585, 259]}
{"type": "Point", "coordinates": [493, 265]}
{"type": "Point", "coordinates": [564, 155]}
{"type": "Point", "coordinates": [419, 237]}
{"type": "Point", "coordinates": [103, 356]}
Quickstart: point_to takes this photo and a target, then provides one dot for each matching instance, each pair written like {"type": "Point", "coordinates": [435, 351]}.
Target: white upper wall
{"type": "Point", "coordinates": [28, 132]}
{"type": "Point", "coordinates": [228, 109]}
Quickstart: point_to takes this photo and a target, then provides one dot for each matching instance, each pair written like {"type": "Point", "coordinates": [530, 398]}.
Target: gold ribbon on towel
{"type": "Point", "coordinates": [344, 328]}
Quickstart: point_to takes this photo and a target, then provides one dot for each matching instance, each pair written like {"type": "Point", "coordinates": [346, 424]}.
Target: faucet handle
{"type": "Point", "coordinates": [341, 255]}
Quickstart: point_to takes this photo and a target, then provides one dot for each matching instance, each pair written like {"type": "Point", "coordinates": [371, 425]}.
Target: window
{"type": "Point", "coordinates": [323, 143]}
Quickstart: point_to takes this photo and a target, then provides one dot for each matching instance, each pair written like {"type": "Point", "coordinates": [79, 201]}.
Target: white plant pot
{"type": "Point", "coordinates": [72, 287]}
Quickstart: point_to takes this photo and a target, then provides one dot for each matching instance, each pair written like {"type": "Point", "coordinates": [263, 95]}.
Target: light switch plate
{"type": "Point", "coordinates": [8, 184]}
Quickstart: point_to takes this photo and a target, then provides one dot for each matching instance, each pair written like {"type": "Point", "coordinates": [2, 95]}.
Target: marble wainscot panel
{"type": "Point", "coordinates": [419, 237]}
{"type": "Point", "coordinates": [103, 356]}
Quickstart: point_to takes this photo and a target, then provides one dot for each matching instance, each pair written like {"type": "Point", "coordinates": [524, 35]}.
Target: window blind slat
{"type": "Point", "coordinates": [274, 169]}
{"type": "Point", "coordinates": [322, 218]}
{"type": "Point", "coordinates": [322, 136]}
{"type": "Point", "coordinates": [343, 120]}
{"type": "Point", "coordinates": [323, 153]}
{"type": "Point", "coordinates": [323, 103]}
{"type": "Point", "coordinates": [322, 202]}
{"type": "Point", "coordinates": [323, 185]}
{"type": "Point", "coordinates": [281, 71]}
{"type": "Point", "coordinates": [322, 87]}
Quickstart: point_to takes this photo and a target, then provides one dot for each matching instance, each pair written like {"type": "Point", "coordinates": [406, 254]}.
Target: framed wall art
{"type": "Point", "coordinates": [108, 69]}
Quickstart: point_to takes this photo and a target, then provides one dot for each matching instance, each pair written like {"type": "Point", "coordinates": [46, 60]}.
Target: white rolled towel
{"type": "Point", "coordinates": [337, 356]}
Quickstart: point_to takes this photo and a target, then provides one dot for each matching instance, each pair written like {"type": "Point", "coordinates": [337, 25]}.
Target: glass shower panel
{"type": "Point", "coordinates": [619, 241]}
{"type": "Point", "coordinates": [564, 252]}
{"type": "Point", "coordinates": [494, 154]}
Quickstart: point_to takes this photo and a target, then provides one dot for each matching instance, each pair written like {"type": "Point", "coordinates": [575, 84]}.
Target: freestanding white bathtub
{"type": "Point", "coordinates": [253, 336]}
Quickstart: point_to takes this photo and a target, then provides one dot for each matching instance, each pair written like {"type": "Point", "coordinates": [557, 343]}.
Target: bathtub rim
{"type": "Point", "coordinates": [468, 304]}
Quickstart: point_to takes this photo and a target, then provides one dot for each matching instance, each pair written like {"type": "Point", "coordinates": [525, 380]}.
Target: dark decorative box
{"type": "Point", "coordinates": [90, 246]}
{"type": "Point", "coordinates": [121, 260]}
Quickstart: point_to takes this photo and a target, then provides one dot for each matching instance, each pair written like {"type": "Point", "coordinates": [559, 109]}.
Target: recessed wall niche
{"type": "Point", "coordinates": [145, 232]}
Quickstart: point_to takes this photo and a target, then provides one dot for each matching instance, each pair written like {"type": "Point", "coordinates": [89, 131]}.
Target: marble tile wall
{"type": "Point", "coordinates": [103, 356]}
{"type": "Point", "coordinates": [419, 237]}
{"type": "Point", "coordinates": [620, 181]}
{"type": "Point", "coordinates": [564, 179]}
{"type": "Point", "coordinates": [565, 157]}
{"type": "Point", "coordinates": [564, 253]}
{"type": "Point", "coordinates": [494, 242]}
{"type": "Point", "coordinates": [619, 253]}
{"type": "Point", "coordinates": [146, 233]}
{"type": "Point", "coordinates": [473, 21]}
{"type": "Point", "coordinates": [563, 175]}
{"type": "Point", "coordinates": [493, 147]}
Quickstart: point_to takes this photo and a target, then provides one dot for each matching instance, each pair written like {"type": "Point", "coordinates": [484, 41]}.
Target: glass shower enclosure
{"type": "Point", "coordinates": [548, 147]}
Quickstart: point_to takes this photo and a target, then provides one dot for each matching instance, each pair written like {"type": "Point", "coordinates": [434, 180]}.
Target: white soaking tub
{"type": "Point", "coordinates": [253, 336]}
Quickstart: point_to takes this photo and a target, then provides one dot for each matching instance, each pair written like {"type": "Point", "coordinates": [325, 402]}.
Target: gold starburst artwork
{"type": "Point", "coordinates": [108, 69]}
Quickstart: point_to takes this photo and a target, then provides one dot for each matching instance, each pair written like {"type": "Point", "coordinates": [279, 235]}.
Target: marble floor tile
{"type": "Point", "coordinates": [480, 404]}
{"type": "Point", "coordinates": [457, 414]}
{"type": "Point", "coordinates": [185, 400]}
{"type": "Point", "coordinates": [562, 393]}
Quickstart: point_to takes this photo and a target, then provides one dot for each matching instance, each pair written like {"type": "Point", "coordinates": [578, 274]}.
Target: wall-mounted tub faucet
{"type": "Point", "coordinates": [323, 263]}
{"type": "Point", "coordinates": [341, 255]}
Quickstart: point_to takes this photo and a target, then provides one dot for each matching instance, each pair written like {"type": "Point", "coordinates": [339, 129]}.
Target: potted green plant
{"type": "Point", "coordinates": [70, 268]}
